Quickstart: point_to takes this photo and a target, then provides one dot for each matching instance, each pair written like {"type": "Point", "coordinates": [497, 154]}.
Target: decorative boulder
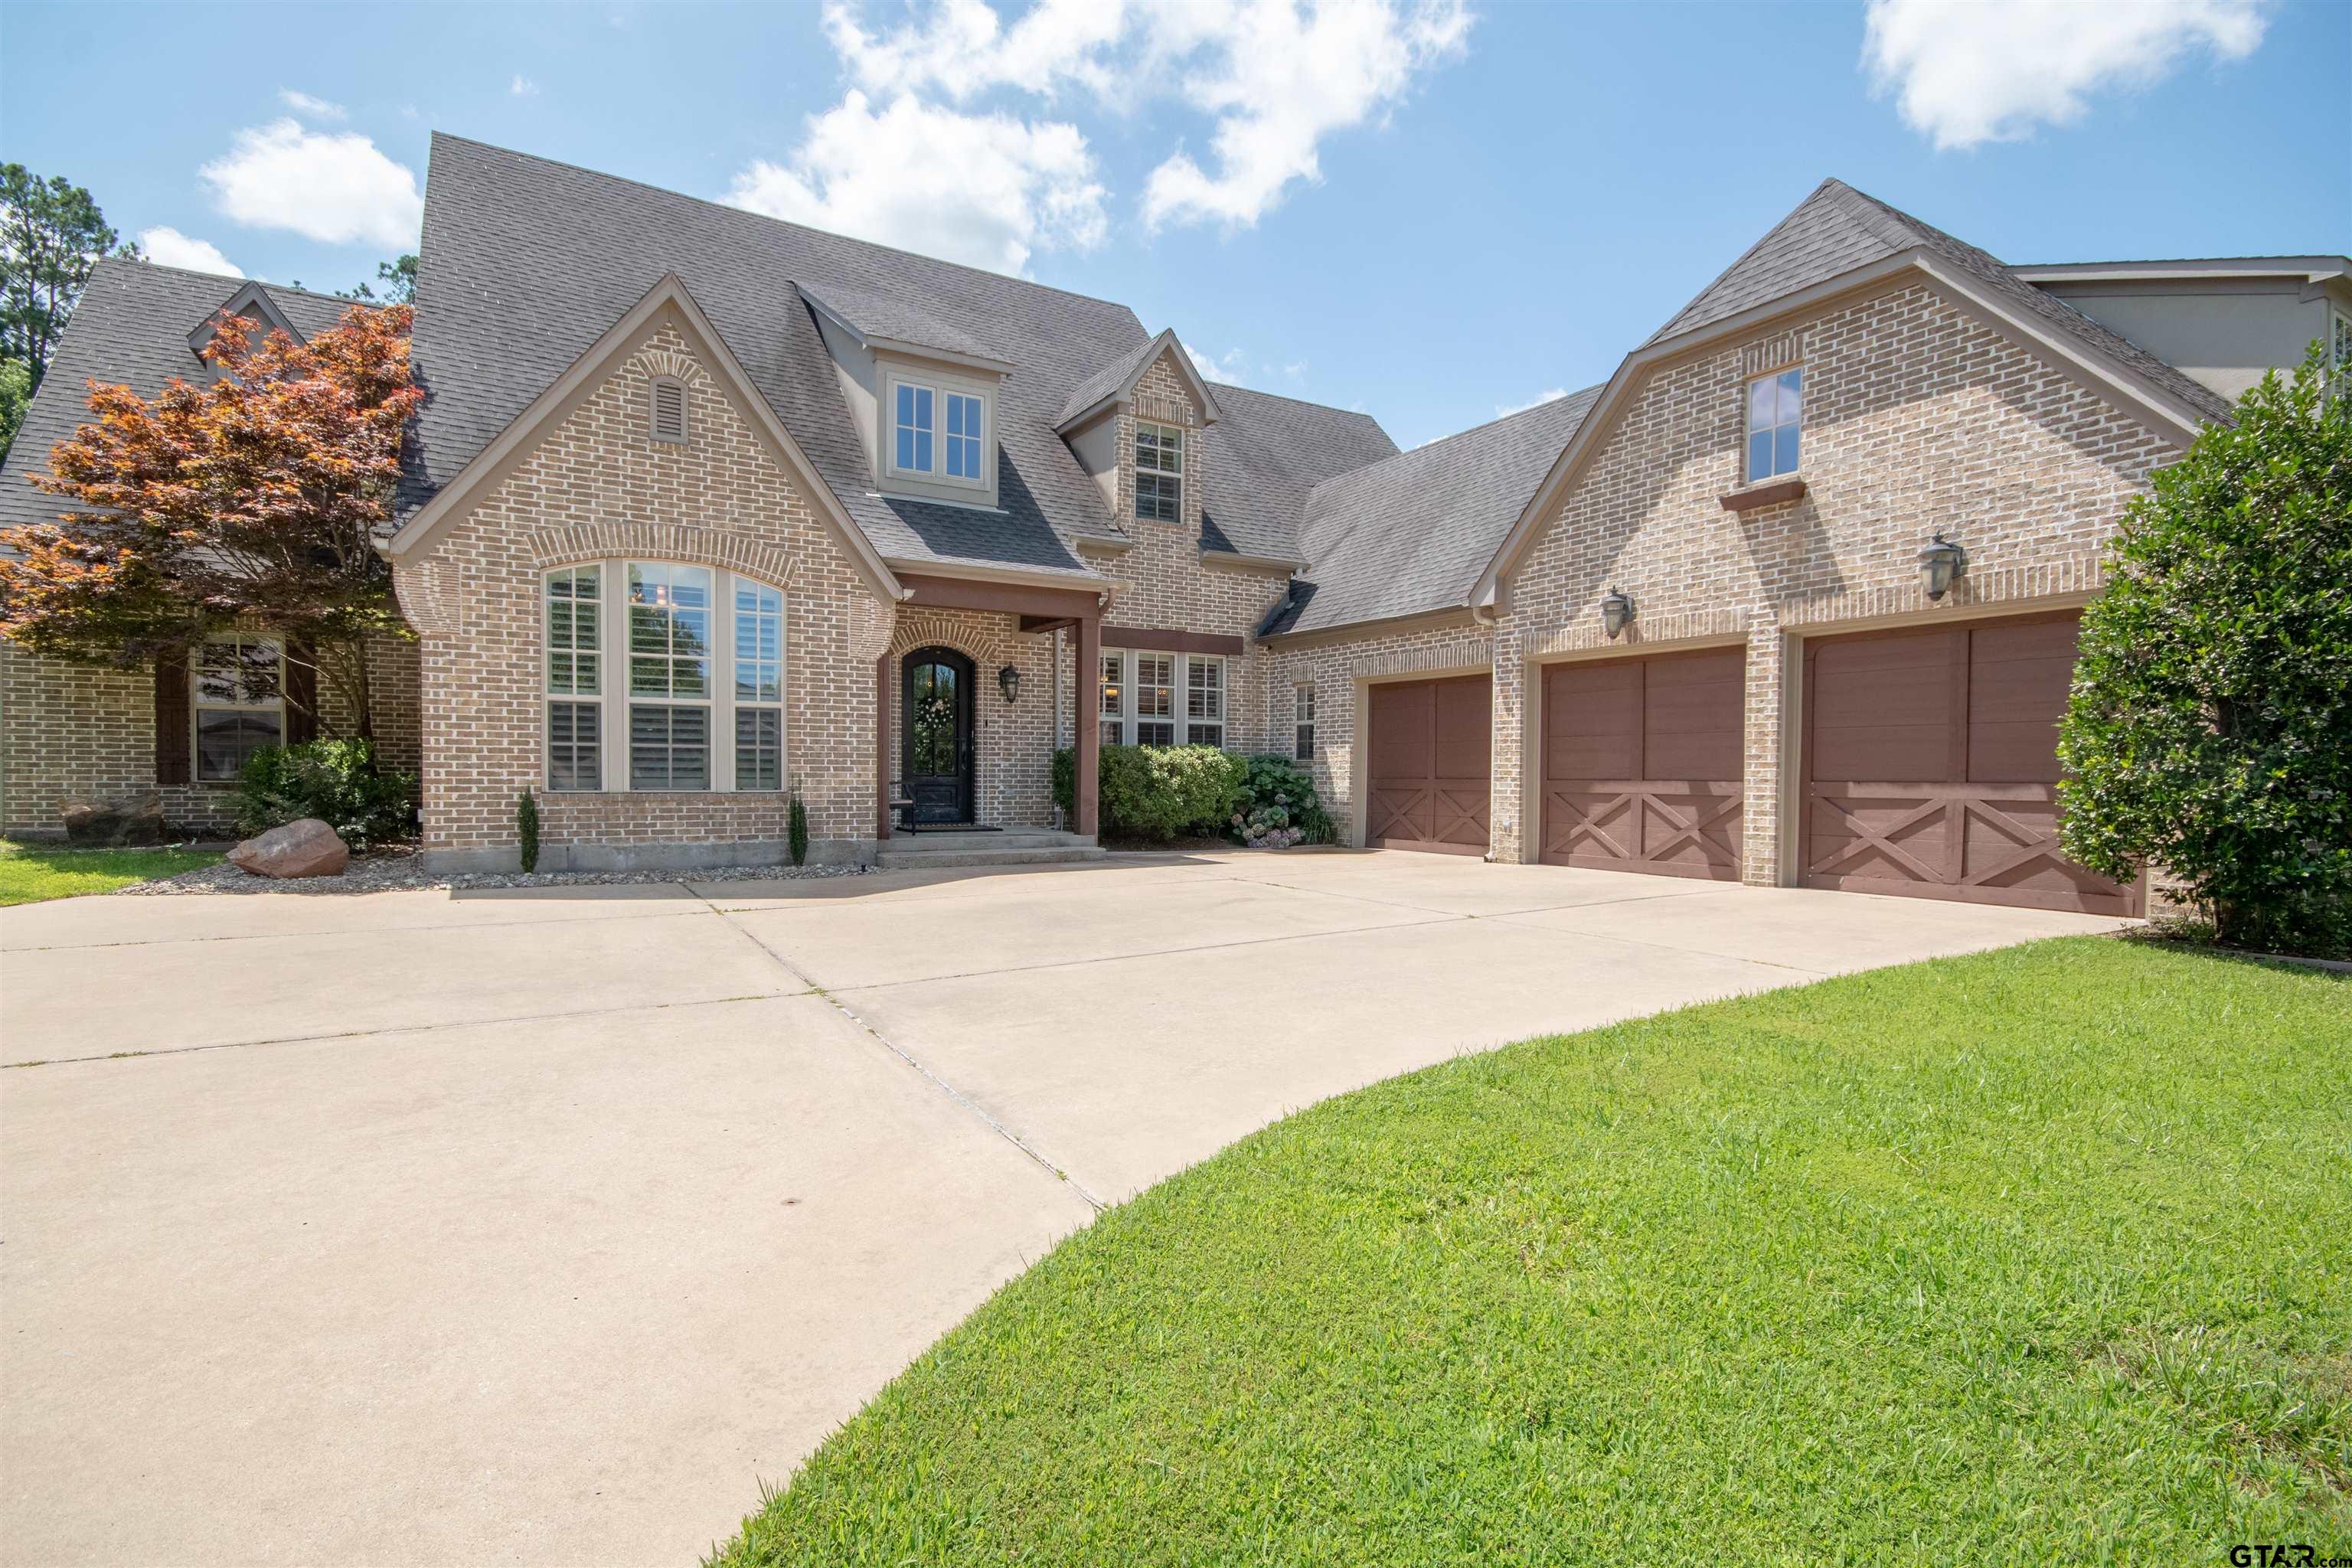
{"type": "Point", "coordinates": [305, 848]}
{"type": "Point", "coordinates": [135, 819]}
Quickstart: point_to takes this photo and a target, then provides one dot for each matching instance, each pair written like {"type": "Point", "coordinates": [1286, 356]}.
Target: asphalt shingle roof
{"type": "Point", "coordinates": [526, 262]}
{"type": "Point", "coordinates": [1837, 229]}
{"type": "Point", "coordinates": [1411, 534]}
{"type": "Point", "coordinates": [1123, 368]}
{"type": "Point", "coordinates": [131, 329]}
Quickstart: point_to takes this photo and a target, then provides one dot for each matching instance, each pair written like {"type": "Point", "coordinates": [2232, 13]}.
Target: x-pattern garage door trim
{"type": "Point", "coordinates": [1633, 797]}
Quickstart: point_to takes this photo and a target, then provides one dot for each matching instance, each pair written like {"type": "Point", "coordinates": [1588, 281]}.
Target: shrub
{"type": "Point", "coordinates": [2210, 727]}
{"type": "Point", "coordinates": [336, 782]}
{"type": "Point", "coordinates": [527, 829]}
{"type": "Point", "coordinates": [796, 830]}
{"type": "Point", "coordinates": [1156, 791]}
{"type": "Point", "coordinates": [1278, 806]}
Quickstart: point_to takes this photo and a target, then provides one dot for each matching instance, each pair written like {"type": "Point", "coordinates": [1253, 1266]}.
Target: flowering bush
{"type": "Point", "coordinates": [1278, 807]}
{"type": "Point", "coordinates": [1156, 792]}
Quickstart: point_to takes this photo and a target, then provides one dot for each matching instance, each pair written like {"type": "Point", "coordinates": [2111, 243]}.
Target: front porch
{"type": "Point", "coordinates": [983, 680]}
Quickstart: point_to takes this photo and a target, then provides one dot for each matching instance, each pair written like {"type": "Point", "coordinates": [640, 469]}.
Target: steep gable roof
{"type": "Point", "coordinates": [1117, 379]}
{"type": "Point", "coordinates": [1271, 452]}
{"type": "Point", "coordinates": [136, 326]}
{"type": "Point", "coordinates": [1409, 535]}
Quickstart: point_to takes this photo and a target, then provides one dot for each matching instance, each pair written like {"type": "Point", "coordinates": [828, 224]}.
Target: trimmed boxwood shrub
{"type": "Point", "coordinates": [1156, 791]}
{"type": "Point", "coordinates": [1278, 806]}
{"type": "Point", "coordinates": [336, 782]}
{"type": "Point", "coordinates": [2209, 732]}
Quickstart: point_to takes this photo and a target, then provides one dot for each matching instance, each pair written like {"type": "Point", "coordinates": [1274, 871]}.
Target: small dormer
{"type": "Point", "coordinates": [1163, 427]}
{"type": "Point", "coordinates": [922, 393]}
{"type": "Point", "coordinates": [252, 302]}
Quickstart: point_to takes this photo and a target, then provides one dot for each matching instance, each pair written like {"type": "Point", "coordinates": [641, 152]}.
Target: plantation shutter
{"type": "Point", "coordinates": [302, 693]}
{"type": "Point", "coordinates": [172, 741]}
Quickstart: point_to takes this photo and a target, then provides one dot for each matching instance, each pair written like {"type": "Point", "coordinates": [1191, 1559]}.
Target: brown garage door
{"type": "Point", "coordinates": [1931, 766]}
{"type": "Point", "coordinates": [1430, 765]}
{"type": "Point", "coordinates": [1642, 765]}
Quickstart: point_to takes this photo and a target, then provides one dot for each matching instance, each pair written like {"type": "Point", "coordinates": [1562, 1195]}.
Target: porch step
{"type": "Point", "coordinates": [1016, 847]}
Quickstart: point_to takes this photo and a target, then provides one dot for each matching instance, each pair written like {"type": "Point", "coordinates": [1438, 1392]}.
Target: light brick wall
{"type": "Point", "coordinates": [1161, 583]}
{"type": "Point", "coordinates": [1918, 419]}
{"type": "Point", "coordinates": [594, 486]}
{"type": "Point", "coordinates": [1012, 744]}
{"type": "Point", "coordinates": [69, 729]}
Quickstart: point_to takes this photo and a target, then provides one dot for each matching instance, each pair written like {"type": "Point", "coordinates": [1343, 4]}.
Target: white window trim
{"type": "Point", "coordinates": [198, 704]}
{"type": "Point", "coordinates": [1180, 676]}
{"type": "Point", "coordinates": [941, 391]}
{"type": "Point", "coordinates": [2339, 340]}
{"type": "Point", "coordinates": [1302, 721]}
{"type": "Point", "coordinates": [1183, 464]}
{"type": "Point", "coordinates": [614, 698]}
{"type": "Point", "coordinates": [1748, 431]}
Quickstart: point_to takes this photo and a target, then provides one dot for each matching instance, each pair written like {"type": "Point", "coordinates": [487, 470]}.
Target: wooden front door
{"type": "Point", "coordinates": [1431, 768]}
{"type": "Point", "coordinates": [1641, 761]}
{"type": "Point", "coordinates": [934, 706]}
{"type": "Point", "coordinates": [1931, 766]}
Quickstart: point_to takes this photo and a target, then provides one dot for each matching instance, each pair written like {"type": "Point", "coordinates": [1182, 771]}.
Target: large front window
{"type": "Point", "coordinates": [1161, 700]}
{"type": "Point", "coordinates": [238, 696]}
{"type": "Point", "coordinates": [701, 704]}
{"type": "Point", "coordinates": [1158, 473]}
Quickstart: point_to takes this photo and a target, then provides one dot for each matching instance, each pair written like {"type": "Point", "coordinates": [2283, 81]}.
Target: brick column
{"type": "Point", "coordinates": [1768, 677]}
{"type": "Point", "coordinates": [1089, 733]}
{"type": "Point", "coordinates": [882, 748]}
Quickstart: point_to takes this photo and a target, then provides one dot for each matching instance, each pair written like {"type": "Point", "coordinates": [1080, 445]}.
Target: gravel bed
{"type": "Point", "coordinates": [397, 870]}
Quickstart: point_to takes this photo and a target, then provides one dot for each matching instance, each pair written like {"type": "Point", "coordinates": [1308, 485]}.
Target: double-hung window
{"type": "Point", "coordinates": [913, 429]}
{"type": "Point", "coordinates": [963, 437]}
{"type": "Point", "coordinates": [238, 697]}
{"type": "Point", "coordinates": [669, 676]}
{"type": "Point", "coordinates": [758, 686]}
{"type": "Point", "coordinates": [1302, 700]}
{"type": "Point", "coordinates": [1158, 473]}
{"type": "Point", "coordinates": [1160, 700]}
{"type": "Point", "coordinates": [937, 434]}
{"type": "Point", "coordinates": [1774, 414]}
{"type": "Point", "coordinates": [575, 709]}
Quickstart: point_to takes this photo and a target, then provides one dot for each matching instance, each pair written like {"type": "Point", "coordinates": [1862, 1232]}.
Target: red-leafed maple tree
{"type": "Point", "coordinates": [254, 496]}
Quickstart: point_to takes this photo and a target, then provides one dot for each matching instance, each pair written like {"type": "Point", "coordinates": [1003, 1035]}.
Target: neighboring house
{"type": "Point", "coordinates": [704, 508]}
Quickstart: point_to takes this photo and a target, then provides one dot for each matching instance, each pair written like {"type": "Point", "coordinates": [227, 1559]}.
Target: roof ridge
{"type": "Point", "coordinates": [787, 223]}
{"type": "Point", "coordinates": [233, 278]}
{"type": "Point", "coordinates": [1286, 397]}
{"type": "Point", "coordinates": [1431, 446]}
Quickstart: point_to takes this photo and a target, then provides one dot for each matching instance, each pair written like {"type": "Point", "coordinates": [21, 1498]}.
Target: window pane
{"type": "Point", "coordinates": [1108, 733]}
{"type": "Point", "coordinates": [1158, 497]}
{"type": "Point", "coordinates": [1761, 405]}
{"type": "Point", "coordinates": [1784, 450]}
{"type": "Point", "coordinates": [1305, 749]}
{"type": "Point", "coordinates": [1759, 455]}
{"type": "Point", "coordinates": [669, 630]}
{"type": "Point", "coordinates": [1162, 733]}
{"type": "Point", "coordinates": [573, 753]}
{"type": "Point", "coordinates": [1112, 692]}
{"type": "Point", "coordinates": [669, 748]}
{"type": "Point", "coordinates": [573, 664]}
{"type": "Point", "coordinates": [226, 737]}
{"type": "Point", "coordinates": [759, 643]}
{"type": "Point", "coordinates": [1155, 689]}
{"type": "Point", "coordinates": [1207, 735]}
{"type": "Point", "coordinates": [758, 748]}
{"type": "Point", "coordinates": [1792, 398]}
{"type": "Point", "coordinates": [1205, 694]}
{"type": "Point", "coordinates": [237, 672]}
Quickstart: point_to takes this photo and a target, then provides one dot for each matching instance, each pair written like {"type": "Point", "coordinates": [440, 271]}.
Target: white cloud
{"type": "Point", "coordinates": [1969, 71]}
{"type": "Point", "coordinates": [1226, 372]}
{"type": "Point", "coordinates": [170, 247]}
{"type": "Point", "coordinates": [1273, 77]}
{"type": "Point", "coordinates": [522, 87]}
{"type": "Point", "coordinates": [1504, 410]}
{"type": "Point", "coordinates": [334, 187]}
{"type": "Point", "coordinates": [988, 190]}
{"type": "Point", "coordinates": [316, 108]}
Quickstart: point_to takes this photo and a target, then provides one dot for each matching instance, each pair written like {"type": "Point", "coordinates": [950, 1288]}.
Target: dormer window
{"type": "Point", "coordinates": [1158, 473]}
{"type": "Point", "coordinates": [937, 434]}
{"type": "Point", "coordinates": [1775, 414]}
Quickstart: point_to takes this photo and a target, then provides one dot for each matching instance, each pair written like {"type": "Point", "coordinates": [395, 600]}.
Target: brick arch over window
{"type": "Point", "coordinates": [925, 630]}
{"type": "Point", "coordinates": [687, 543]}
{"type": "Point", "coordinates": [655, 363]}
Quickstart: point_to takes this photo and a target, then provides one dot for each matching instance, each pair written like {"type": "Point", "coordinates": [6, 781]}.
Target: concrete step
{"type": "Point", "coordinates": [949, 857]}
{"type": "Point", "coordinates": [1007, 838]}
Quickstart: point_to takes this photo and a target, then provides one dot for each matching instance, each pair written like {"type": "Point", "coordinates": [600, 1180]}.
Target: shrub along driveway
{"type": "Point", "coordinates": [535, 1227]}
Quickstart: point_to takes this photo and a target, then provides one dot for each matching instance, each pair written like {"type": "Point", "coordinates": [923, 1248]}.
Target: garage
{"type": "Point", "coordinates": [1931, 766]}
{"type": "Point", "coordinates": [1430, 765]}
{"type": "Point", "coordinates": [1642, 765]}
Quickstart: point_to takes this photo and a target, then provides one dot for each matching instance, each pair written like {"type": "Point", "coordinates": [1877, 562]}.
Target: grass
{"type": "Point", "coordinates": [30, 875]}
{"type": "Point", "coordinates": [2039, 1255]}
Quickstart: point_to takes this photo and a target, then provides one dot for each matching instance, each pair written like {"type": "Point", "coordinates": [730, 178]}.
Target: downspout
{"type": "Point", "coordinates": [1484, 615]}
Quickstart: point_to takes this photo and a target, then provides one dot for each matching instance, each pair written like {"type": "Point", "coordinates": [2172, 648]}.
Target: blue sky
{"type": "Point", "coordinates": [1430, 210]}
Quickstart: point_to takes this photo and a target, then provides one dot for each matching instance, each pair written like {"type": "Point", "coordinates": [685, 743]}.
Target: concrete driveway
{"type": "Point", "coordinates": [543, 1227]}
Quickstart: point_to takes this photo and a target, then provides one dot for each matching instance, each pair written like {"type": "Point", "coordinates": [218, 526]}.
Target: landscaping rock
{"type": "Point", "coordinates": [136, 819]}
{"type": "Point", "coordinates": [305, 848]}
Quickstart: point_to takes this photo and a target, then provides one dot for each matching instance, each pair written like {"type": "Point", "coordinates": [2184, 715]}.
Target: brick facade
{"type": "Point", "coordinates": [1918, 418]}
{"type": "Point", "coordinates": [1012, 742]}
{"type": "Point", "coordinates": [72, 730]}
{"type": "Point", "coordinates": [594, 486]}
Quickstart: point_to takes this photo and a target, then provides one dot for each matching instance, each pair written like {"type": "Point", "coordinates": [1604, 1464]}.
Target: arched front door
{"type": "Point", "coordinates": [935, 705]}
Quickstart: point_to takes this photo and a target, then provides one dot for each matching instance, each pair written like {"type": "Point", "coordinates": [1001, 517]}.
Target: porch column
{"type": "Point", "coordinates": [1089, 732]}
{"type": "Point", "coordinates": [882, 748]}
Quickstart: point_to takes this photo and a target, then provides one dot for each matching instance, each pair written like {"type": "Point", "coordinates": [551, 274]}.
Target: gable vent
{"type": "Point", "coordinates": [668, 410]}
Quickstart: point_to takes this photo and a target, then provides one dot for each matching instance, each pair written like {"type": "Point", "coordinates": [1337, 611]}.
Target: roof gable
{"type": "Point", "coordinates": [1115, 382]}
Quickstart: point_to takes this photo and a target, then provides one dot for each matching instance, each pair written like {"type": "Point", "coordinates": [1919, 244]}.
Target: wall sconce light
{"type": "Point", "coordinates": [1940, 565]}
{"type": "Point", "coordinates": [1008, 680]}
{"type": "Point", "coordinates": [1616, 613]}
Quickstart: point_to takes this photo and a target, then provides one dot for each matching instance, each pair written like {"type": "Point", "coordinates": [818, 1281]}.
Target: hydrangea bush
{"type": "Point", "coordinates": [1278, 807]}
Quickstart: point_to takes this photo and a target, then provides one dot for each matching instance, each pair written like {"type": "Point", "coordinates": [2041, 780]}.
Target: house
{"type": "Point", "coordinates": [704, 508]}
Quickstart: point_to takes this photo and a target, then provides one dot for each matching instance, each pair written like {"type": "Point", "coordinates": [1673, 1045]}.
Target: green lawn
{"type": "Point", "coordinates": [30, 875]}
{"type": "Point", "coordinates": [2042, 1256]}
